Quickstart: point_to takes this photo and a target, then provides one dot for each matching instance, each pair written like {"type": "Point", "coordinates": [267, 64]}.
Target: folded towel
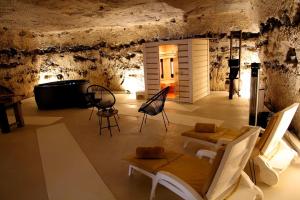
{"type": "Point", "coordinates": [150, 152]}
{"type": "Point", "coordinates": [205, 128]}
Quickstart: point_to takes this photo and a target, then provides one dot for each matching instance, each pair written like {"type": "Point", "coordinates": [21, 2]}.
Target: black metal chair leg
{"type": "Point", "coordinates": [145, 119]}
{"type": "Point", "coordinates": [117, 113]}
{"type": "Point", "coordinates": [100, 123]}
{"type": "Point", "coordinates": [108, 125]}
{"type": "Point", "coordinates": [142, 122]}
{"type": "Point", "coordinates": [91, 113]}
{"type": "Point", "coordinates": [166, 116]}
{"type": "Point", "coordinates": [164, 121]}
{"type": "Point", "coordinates": [117, 123]}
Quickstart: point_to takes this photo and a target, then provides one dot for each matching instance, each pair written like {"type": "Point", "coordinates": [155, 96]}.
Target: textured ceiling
{"type": "Point", "coordinates": [54, 15]}
{"type": "Point", "coordinates": [31, 24]}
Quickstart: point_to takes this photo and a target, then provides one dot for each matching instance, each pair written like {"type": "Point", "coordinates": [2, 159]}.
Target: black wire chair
{"type": "Point", "coordinates": [99, 97]}
{"type": "Point", "coordinates": [154, 106]}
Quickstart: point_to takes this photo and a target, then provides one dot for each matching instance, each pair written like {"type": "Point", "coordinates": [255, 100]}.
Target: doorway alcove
{"type": "Point", "coordinates": [181, 64]}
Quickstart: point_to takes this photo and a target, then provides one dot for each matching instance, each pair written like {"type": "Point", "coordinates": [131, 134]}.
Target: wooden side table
{"type": "Point", "coordinates": [8, 101]}
{"type": "Point", "coordinates": [107, 114]}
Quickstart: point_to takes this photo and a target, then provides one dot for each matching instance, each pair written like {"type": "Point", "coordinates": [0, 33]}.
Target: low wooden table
{"type": "Point", "coordinates": [107, 114]}
{"type": "Point", "coordinates": [6, 102]}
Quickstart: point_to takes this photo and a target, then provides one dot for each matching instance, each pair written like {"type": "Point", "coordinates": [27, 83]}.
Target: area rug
{"type": "Point", "coordinates": [68, 173]}
{"type": "Point", "coordinates": [37, 120]}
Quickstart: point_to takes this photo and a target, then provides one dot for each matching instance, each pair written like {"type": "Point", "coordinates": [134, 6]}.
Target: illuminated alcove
{"type": "Point", "coordinates": [168, 61]}
{"type": "Point", "coordinates": [181, 64]}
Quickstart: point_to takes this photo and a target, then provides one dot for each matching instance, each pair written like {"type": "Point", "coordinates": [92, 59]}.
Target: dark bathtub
{"type": "Point", "coordinates": [61, 94]}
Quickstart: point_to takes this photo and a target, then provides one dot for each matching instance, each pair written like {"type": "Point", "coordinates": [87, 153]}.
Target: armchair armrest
{"type": "Point", "coordinates": [246, 189]}
{"type": "Point", "coordinates": [222, 141]}
{"type": "Point", "coordinates": [206, 153]}
{"type": "Point", "coordinates": [262, 130]}
{"type": "Point", "coordinates": [177, 185]}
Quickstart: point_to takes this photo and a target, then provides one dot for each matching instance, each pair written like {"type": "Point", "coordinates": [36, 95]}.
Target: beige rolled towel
{"type": "Point", "coordinates": [205, 128]}
{"type": "Point", "coordinates": [150, 152]}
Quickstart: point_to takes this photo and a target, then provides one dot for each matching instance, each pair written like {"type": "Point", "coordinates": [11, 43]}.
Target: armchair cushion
{"type": "Point", "coordinates": [149, 109]}
{"type": "Point", "coordinates": [150, 152]}
{"type": "Point", "coordinates": [156, 103]}
{"type": "Point", "coordinates": [213, 137]}
{"type": "Point", "coordinates": [198, 173]}
{"type": "Point", "coordinates": [153, 165]}
{"type": "Point", "coordinates": [205, 127]}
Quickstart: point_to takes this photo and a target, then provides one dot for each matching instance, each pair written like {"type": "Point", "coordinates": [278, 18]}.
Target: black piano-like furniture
{"type": "Point", "coordinates": [61, 94]}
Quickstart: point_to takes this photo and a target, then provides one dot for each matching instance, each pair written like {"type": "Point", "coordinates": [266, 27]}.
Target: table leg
{"type": "Point", "coordinates": [18, 114]}
{"type": "Point", "coordinates": [100, 124]}
{"type": "Point", "coordinates": [108, 125]}
{"type": "Point", "coordinates": [117, 123]}
{"type": "Point", "coordinates": [3, 120]}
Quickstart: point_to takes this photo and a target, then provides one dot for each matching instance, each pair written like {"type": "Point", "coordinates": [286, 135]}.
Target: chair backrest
{"type": "Point", "coordinates": [277, 128]}
{"type": "Point", "coordinates": [102, 96]}
{"type": "Point", "coordinates": [234, 159]}
{"type": "Point", "coordinates": [158, 100]}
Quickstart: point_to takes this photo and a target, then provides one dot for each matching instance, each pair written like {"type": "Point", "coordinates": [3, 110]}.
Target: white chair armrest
{"type": "Point", "coordinates": [206, 153]}
{"type": "Point", "coordinates": [266, 173]}
{"type": "Point", "coordinates": [283, 157]}
{"type": "Point", "coordinates": [246, 190]}
{"type": "Point", "coordinates": [251, 126]}
{"type": "Point", "coordinates": [222, 141]}
{"type": "Point", "coordinates": [177, 185]}
{"type": "Point", "coordinates": [245, 180]}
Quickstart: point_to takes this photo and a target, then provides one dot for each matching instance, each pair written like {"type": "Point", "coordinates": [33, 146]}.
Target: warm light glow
{"type": "Point", "coordinates": [50, 77]}
{"type": "Point", "coordinates": [168, 58]}
{"type": "Point", "coordinates": [168, 51]}
{"type": "Point", "coordinates": [251, 58]}
{"type": "Point", "coordinates": [245, 83]}
{"type": "Point", "coordinates": [172, 67]}
{"type": "Point", "coordinates": [245, 79]}
{"type": "Point", "coordinates": [282, 158]}
{"type": "Point", "coordinates": [133, 81]}
{"type": "Point", "coordinates": [161, 68]}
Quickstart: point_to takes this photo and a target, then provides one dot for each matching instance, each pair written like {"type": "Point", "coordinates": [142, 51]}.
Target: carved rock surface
{"type": "Point", "coordinates": [102, 41]}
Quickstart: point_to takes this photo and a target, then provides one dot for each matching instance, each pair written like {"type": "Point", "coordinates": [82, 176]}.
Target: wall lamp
{"type": "Point", "coordinates": [161, 68]}
{"type": "Point", "coordinates": [172, 67]}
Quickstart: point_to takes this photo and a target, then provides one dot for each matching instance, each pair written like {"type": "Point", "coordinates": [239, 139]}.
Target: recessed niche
{"type": "Point", "coordinates": [181, 64]}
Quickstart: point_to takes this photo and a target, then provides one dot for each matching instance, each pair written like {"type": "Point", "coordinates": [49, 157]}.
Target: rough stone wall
{"type": "Point", "coordinates": [50, 40]}
{"type": "Point", "coordinates": [118, 67]}
{"type": "Point", "coordinates": [219, 55]}
{"type": "Point", "coordinates": [280, 56]}
{"type": "Point", "coordinates": [112, 66]}
{"type": "Point", "coordinates": [282, 70]}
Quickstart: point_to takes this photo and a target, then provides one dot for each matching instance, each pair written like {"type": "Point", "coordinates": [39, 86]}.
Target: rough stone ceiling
{"type": "Point", "coordinates": [59, 15]}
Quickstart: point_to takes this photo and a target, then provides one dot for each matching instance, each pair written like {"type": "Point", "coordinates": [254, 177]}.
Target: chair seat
{"type": "Point", "coordinates": [198, 178]}
{"type": "Point", "coordinates": [154, 106]}
{"type": "Point", "coordinates": [102, 104]}
{"type": "Point", "coordinates": [153, 165]}
{"type": "Point", "coordinates": [194, 171]}
{"type": "Point", "coordinates": [150, 110]}
{"type": "Point", "coordinates": [225, 133]}
{"type": "Point", "coordinates": [99, 97]}
{"type": "Point", "coordinates": [107, 113]}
